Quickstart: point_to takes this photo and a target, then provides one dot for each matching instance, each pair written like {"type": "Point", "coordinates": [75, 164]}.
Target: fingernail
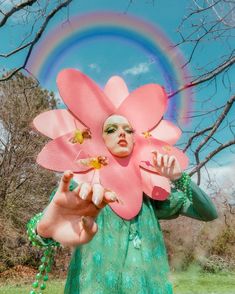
{"type": "Point", "coordinates": [82, 195]}
{"type": "Point", "coordinates": [96, 200]}
{"type": "Point", "coordinates": [84, 220]}
{"type": "Point", "coordinates": [86, 223]}
{"type": "Point", "coordinates": [68, 173]}
{"type": "Point", "coordinates": [154, 151]}
{"type": "Point", "coordinates": [113, 197]}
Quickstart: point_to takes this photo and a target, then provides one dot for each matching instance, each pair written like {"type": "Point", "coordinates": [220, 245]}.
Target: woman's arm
{"type": "Point", "coordinates": [186, 197]}
{"type": "Point", "coordinates": [199, 207]}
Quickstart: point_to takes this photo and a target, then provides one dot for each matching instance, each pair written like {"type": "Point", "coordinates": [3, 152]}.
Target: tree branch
{"type": "Point", "coordinates": [217, 123]}
{"type": "Point", "coordinates": [208, 76]}
{"type": "Point", "coordinates": [32, 43]}
{"type": "Point", "coordinates": [212, 154]}
{"type": "Point", "coordinates": [14, 9]}
{"type": "Point", "coordinates": [195, 136]}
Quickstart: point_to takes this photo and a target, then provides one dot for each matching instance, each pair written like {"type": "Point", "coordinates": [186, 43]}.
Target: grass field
{"type": "Point", "coordinates": [191, 282]}
{"type": "Point", "coordinates": [200, 283]}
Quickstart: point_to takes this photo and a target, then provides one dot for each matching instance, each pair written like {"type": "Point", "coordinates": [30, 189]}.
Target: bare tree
{"type": "Point", "coordinates": [24, 185]}
{"type": "Point", "coordinates": [21, 99]}
{"type": "Point", "coordinates": [207, 22]}
{"type": "Point", "coordinates": [37, 15]}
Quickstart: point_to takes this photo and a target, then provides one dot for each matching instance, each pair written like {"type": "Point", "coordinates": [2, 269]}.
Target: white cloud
{"type": "Point", "coordinates": [59, 101]}
{"type": "Point", "coordinates": [94, 66]}
{"type": "Point", "coordinates": [140, 68]}
{"type": "Point", "coordinates": [219, 179]}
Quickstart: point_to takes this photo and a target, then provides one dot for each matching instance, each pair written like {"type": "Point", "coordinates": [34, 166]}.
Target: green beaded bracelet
{"type": "Point", "coordinates": [34, 238]}
{"type": "Point", "coordinates": [183, 184]}
{"type": "Point", "coordinates": [47, 259]}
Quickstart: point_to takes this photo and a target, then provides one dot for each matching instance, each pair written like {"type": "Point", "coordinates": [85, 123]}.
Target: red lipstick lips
{"type": "Point", "coordinates": [122, 143]}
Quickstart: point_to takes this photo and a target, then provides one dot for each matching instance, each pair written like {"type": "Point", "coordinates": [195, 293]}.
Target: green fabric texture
{"type": "Point", "coordinates": [130, 256]}
{"type": "Point", "coordinates": [123, 257]}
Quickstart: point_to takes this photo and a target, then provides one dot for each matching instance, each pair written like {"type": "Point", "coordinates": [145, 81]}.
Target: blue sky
{"type": "Point", "coordinates": [97, 59]}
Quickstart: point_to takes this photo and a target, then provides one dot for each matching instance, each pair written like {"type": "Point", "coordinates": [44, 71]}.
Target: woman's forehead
{"type": "Point", "coordinates": [116, 119]}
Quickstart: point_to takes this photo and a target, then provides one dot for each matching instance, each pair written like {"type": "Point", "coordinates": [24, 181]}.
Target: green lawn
{"type": "Point", "coordinates": [54, 287]}
{"type": "Point", "coordinates": [201, 283]}
{"type": "Point", "coordinates": [191, 282]}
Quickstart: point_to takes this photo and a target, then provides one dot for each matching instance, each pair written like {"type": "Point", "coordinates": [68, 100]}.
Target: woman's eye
{"type": "Point", "coordinates": [129, 131]}
{"type": "Point", "coordinates": [110, 130]}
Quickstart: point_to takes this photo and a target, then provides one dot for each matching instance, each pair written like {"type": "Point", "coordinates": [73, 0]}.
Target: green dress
{"type": "Point", "coordinates": [128, 257]}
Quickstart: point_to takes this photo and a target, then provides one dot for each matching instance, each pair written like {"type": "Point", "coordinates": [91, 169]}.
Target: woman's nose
{"type": "Point", "coordinates": [122, 133]}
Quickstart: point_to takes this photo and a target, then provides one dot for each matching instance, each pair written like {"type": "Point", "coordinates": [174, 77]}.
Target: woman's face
{"type": "Point", "coordinates": [118, 135]}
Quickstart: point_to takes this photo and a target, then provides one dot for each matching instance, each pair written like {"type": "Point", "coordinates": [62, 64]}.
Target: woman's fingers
{"type": "Point", "coordinates": [176, 171]}
{"type": "Point", "coordinates": [65, 181]}
{"type": "Point", "coordinates": [89, 225]}
{"type": "Point", "coordinates": [77, 189]}
{"type": "Point", "coordinates": [110, 196]}
{"type": "Point", "coordinates": [161, 162]}
{"type": "Point", "coordinates": [157, 160]}
{"type": "Point", "coordinates": [98, 194]}
{"type": "Point", "coordinates": [166, 165]}
{"type": "Point", "coordinates": [85, 191]}
{"type": "Point", "coordinates": [171, 161]}
{"type": "Point", "coordinates": [165, 160]}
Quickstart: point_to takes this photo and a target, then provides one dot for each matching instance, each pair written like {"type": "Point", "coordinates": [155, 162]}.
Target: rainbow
{"type": "Point", "coordinates": [59, 41]}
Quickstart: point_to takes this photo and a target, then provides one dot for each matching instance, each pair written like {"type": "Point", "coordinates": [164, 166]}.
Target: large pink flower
{"type": "Point", "coordinates": [88, 108]}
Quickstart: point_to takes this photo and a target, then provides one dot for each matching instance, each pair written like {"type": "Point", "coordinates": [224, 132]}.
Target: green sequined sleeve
{"type": "Point", "coordinates": [201, 207]}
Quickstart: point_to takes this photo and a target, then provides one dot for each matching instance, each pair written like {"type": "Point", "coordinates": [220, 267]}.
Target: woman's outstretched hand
{"type": "Point", "coordinates": [167, 166]}
{"type": "Point", "coordinates": [70, 217]}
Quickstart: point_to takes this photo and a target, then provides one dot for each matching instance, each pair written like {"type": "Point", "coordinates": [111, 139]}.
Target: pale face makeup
{"type": "Point", "coordinates": [118, 135]}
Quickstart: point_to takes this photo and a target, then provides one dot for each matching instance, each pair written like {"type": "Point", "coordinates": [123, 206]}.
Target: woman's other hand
{"type": "Point", "coordinates": [70, 217]}
{"type": "Point", "coordinates": [167, 166]}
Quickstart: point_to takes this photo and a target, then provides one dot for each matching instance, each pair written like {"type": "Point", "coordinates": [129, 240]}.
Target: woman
{"type": "Point", "coordinates": [124, 251]}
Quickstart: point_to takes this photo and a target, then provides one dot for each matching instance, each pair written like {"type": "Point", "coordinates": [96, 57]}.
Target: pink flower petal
{"type": "Point", "coordinates": [116, 90]}
{"type": "Point", "coordinates": [154, 185]}
{"type": "Point", "coordinates": [84, 99]}
{"type": "Point", "coordinates": [123, 177]}
{"type": "Point", "coordinates": [144, 107]}
{"type": "Point", "coordinates": [91, 176]}
{"type": "Point", "coordinates": [55, 123]}
{"type": "Point", "coordinates": [60, 154]}
{"type": "Point", "coordinates": [166, 131]}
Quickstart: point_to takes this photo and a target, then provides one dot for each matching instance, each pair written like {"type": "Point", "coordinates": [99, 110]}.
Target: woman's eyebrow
{"type": "Point", "coordinates": [115, 125]}
{"type": "Point", "coordinates": [110, 125]}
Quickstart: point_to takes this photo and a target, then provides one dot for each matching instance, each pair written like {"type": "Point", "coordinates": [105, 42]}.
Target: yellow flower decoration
{"type": "Point", "coordinates": [166, 148]}
{"type": "Point", "coordinates": [94, 162]}
{"type": "Point", "coordinates": [147, 134]}
{"type": "Point", "coordinates": [80, 135]}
